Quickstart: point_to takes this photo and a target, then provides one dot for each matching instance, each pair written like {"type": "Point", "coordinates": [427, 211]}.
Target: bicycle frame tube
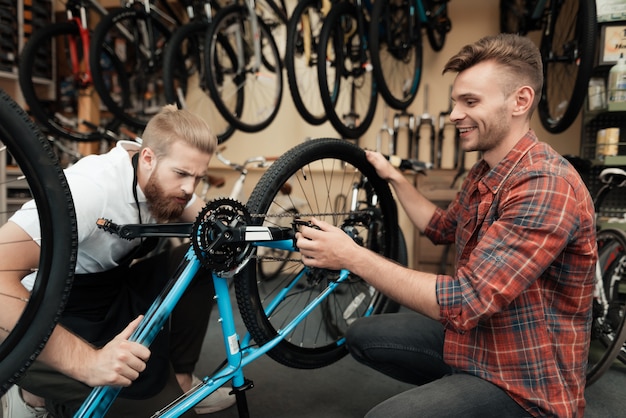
{"type": "Point", "coordinates": [81, 70]}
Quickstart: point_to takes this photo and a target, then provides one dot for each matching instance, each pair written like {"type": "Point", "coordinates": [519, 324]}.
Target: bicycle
{"type": "Point", "coordinates": [24, 146]}
{"type": "Point", "coordinates": [299, 317]}
{"type": "Point", "coordinates": [186, 84]}
{"type": "Point", "coordinates": [347, 86]}
{"type": "Point", "coordinates": [609, 305]}
{"type": "Point", "coordinates": [396, 42]}
{"type": "Point", "coordinates": [137, 33]}
{"type": "Point", "coordinates": [569, 32]}
{"type": "Point", "coordinates": [254, 77]}
{"type": "Point", "coordinates": [63, 116]}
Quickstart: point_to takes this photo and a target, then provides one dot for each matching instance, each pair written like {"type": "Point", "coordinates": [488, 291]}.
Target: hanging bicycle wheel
{"type": "Point", "coordinates": [346, 80]}
{"type": "Point", "coordinates": [301, 57]}
{"type": "Point", "coordinates": [28, 319]}
{"type": "Point", "coordinates": [608, 332]}
{"type": "Point", "coordinates": [568, 53]}
{"type": "Point", "coordinates": [137, 40]}
{"type": "Point", "coordinates": [61, 116]}
{"type": "Point", "coordinates": [514, 15]}
{"type": "Point", "coordinates": [369, 216]}
{"type": "Point", "coordinates": [396, 48]}
{"type": "Point", "coordinates": [258, 79]}
{"type": "Point", "coordinates": [438, 25]}
{"type": "Point", "coordinates": [186, 85]}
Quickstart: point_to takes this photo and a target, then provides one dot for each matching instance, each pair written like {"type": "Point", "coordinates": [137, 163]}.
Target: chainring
{"type": "Point", "coordinates": [212, 224]}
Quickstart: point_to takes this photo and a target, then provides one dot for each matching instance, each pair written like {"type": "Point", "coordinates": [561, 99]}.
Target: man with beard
{"type": "Point", "coordinates": [151, 183]}
{"type": "Point", "coordinates": [507, 335]}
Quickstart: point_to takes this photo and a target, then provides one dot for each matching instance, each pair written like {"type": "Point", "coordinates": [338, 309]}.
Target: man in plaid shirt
{"type": "Point", "coordinates": [508, 334]}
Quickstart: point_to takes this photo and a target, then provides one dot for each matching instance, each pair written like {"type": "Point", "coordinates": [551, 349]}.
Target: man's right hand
{"type": "Point", "coordinates": [120, 361]}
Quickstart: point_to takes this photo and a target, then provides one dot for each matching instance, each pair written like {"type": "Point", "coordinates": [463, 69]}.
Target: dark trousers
{"type": "Point", "coordinates": [409, 347]}
{"type": "Point", "coordinates": [101, 305]}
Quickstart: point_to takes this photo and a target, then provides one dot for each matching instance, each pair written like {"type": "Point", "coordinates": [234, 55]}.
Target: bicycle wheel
{"type": "Point", "coordinates": [438, 25]}
{"type": "Point", "coordinates": [396, 45]}
{"type": "Point", "coordinates": [259, 81]}
{"type": "Point", "coordinates": [347, 85]}
{"type": "Point", "coordinates": [568, 53]}
{"type": "Point", "coordinates": [188, 88]}
{"type": "Point", "coordinates": [61, 116]}
{"type": "Point", "coordinates": [608, 332]}
{"type": "Point", "coordinates": [514, 15]}
{"type": "Point", "coordinates": [22, 339]}
{"type": "Point", "coordinates": [137, 40]}
{"type": "Point", "coordinates": [319, 170]}
{"type": "Point", "coordinates": [303, 32]}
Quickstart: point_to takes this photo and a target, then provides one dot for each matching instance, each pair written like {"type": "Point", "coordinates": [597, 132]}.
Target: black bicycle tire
{"type": "Point", "coordinates": [346, 131]}
{"type": "Point", "coordinates": [170, 57]}
{"type": "Point", "coordinates": [290, 64]}
{"type": "Point", "coordinates": [44, 35]}
{"type": "Point", "coordinates": [98, 41]}
{"type": "Point", "coordinates": [240, 13]}
{"type": "Point", "coordinates": [614, 342]}
{"type": "Point", "coordinates": [586, 25]}
{"type": "Point", "coordinates": [513, 16]}
{"type": "Point", "coordinates": [32, 152]}
{"type": "Point", "coordinates": [291, 353]}
{"type": "Point", "coordinates": [417, 47]}
{"type": "Point", "coordinates": [437, 31]}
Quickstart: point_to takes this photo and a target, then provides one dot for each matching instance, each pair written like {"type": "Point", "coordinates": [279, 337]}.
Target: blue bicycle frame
{"type": "Point", "coordinates": [101, 398]}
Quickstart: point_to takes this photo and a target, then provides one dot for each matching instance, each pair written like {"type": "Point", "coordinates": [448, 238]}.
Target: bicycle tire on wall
{"type": "Point", "coordinates": [141, 103]}
{"type": "Point", "coordinates": [187, 46]}
{"type": "Point", "coordinates": [261, 88]}
{"type": "Point", "coordinates": [566, 80]}
{"type": "Point", "coordinates": [303, 166]}
{"type": "Point", "coordinates": [31, 152]}
{"type": "Point", "coordinates": [350, 116]}
{"type": "Point", "coordinates": [45, 110]}
{"type": "Point", "coordinates": [400, 64]}
{"type": "Point", "coordinates": [302, 69]}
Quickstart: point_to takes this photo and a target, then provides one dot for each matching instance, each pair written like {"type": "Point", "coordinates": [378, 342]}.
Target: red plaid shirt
{"type": "Point", "coordinates": [518, 310]}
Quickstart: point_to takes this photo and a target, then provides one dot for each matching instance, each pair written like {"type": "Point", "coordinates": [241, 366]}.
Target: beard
{"type": "Point", "coordinates": [162, 206]}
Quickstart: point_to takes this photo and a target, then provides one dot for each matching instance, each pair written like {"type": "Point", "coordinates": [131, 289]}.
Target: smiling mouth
{"type": "Point", "coordinates": [465, 130]}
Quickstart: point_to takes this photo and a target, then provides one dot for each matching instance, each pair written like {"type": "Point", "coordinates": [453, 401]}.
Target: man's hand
{"type": "Point", "coordinates": [383, 167]}
{"type": "Point", "coordinates": [119, 362]}
{"type": "Point", "coordinates": [325, 246]}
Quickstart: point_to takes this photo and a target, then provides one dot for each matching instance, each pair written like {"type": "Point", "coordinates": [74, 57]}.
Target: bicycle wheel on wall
{"type": "Point", "coordinates": [259, 81]}
{"type": "Point", "coordinates": [188, 88]}
{"type": "Point", "coordinates": [396, 50]}
{"type": "Point", "coordinates": [137, 40]}
{"type": "Point", "coordinates": [318, 340]}
{"type": "Point", "coordinates": [61, 115]}
{"type": "Point", "coordinates": [347, 84]}
{"type": "Point", "coordinates": [301, 58]}
{"type": "Point", "coordinates": [608, 332]}
{"type": "Point", "coordinates": [568, 53]}
{"type": "Point", "coordinates": [23, 337]}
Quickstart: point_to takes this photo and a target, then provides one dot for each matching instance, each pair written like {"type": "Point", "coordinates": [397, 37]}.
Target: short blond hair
{"type": "Point", "coordinates": [172, 124]}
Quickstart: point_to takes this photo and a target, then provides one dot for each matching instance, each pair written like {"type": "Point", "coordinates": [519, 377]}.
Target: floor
{"type": "Point", "coordinates": [348, 389]}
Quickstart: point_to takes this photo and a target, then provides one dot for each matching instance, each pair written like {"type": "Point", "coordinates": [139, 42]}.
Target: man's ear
{"type": "Point", "coordinates": [524, 97]}
{"type": "Point", "coordinates": [147, 158]}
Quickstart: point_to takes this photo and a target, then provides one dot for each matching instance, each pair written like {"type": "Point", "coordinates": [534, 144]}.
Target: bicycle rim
{"type": "Point", "coordinates": [321, 173]}
{"type": "Point", "coordinates": [303, 32]}
{"type": "Point", "coordinates": [59, 116]}
{"type": "Point", "coordinates": [30, 154]}
{"type": "Point", "coordinates": [567, 51]}
{"type": "Point", "coordinates": [347, 84]}
{"type": "Point", "coordinates": [142, 63]}
{"type": "Point", "coordinates": [609, 306]}
{"type": "Point", "coordinates": [396, 45]}
{"type": "Point", "coordinates": [185, 84]}
{"type": "Point", "coordinates": [260, 83]}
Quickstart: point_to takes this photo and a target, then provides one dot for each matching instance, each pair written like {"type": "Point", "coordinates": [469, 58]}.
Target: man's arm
{"type": "Point", "coordinates": [118, 363]}
{"type": "Point", "coordinates": [330, 247]}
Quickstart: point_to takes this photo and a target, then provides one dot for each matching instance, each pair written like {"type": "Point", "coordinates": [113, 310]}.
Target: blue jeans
{"type": "Point", "coordinates": [409, 347]}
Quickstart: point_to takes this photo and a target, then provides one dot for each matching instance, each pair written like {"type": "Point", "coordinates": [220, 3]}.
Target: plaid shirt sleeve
{"type": "Point", "coordinates": [517, 311]}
